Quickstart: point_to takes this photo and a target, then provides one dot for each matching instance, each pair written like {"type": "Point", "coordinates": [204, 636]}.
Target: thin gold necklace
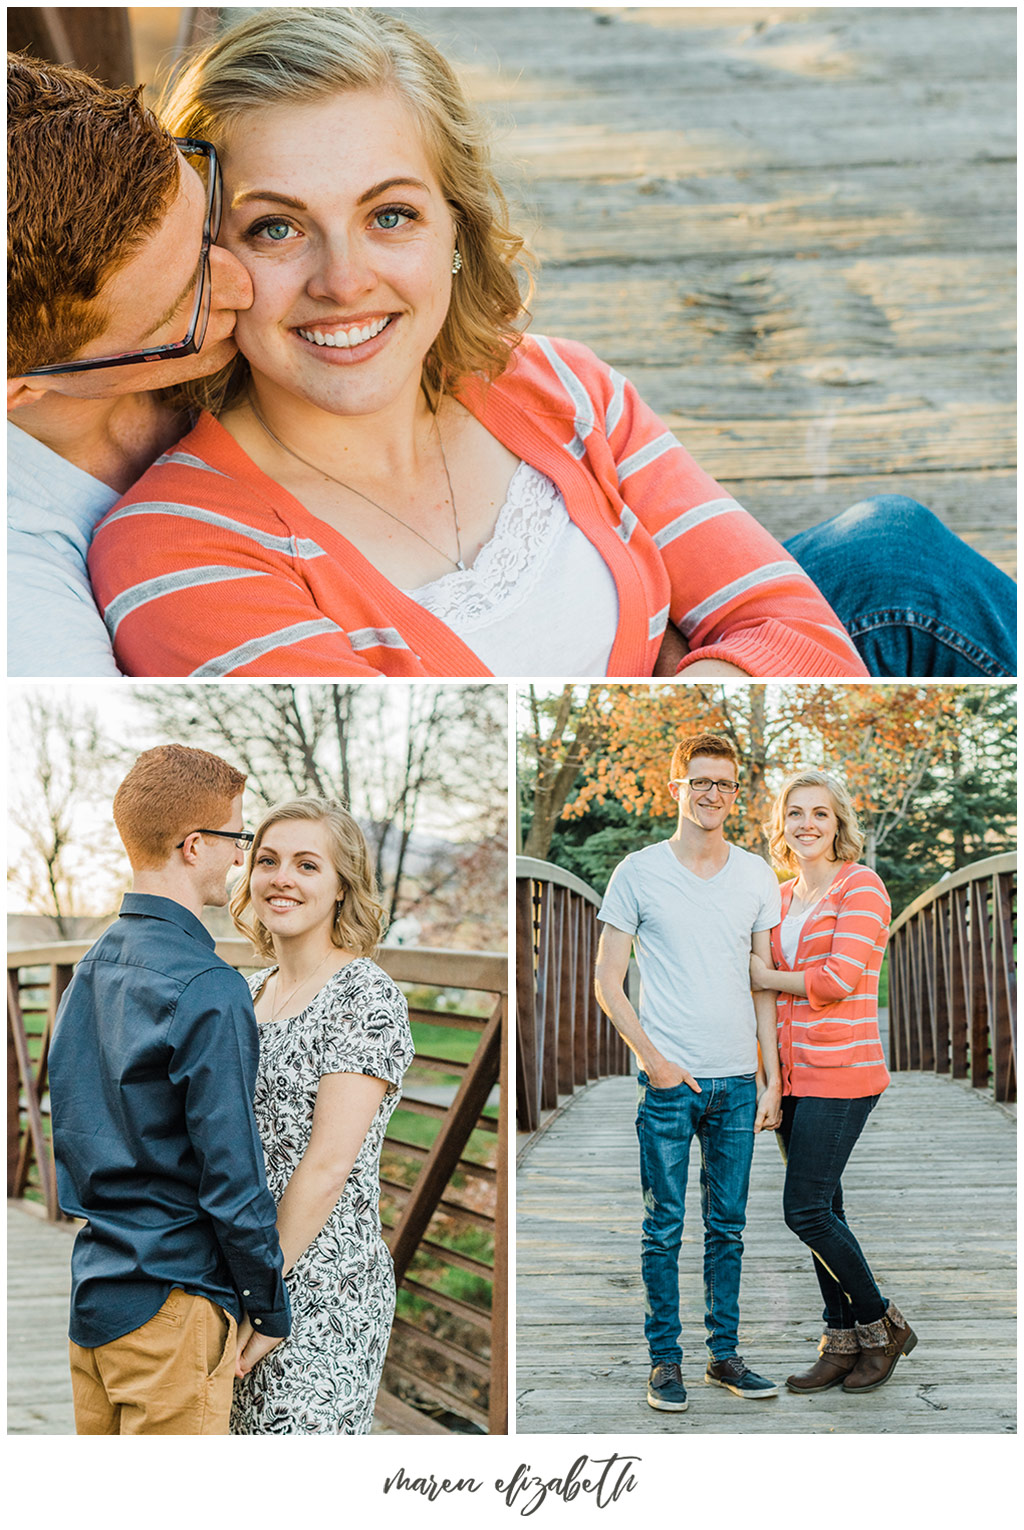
{"type": "Point", "coordinates": [275, 1012]}
{"type": "Point", "coordinates": [456, 562]}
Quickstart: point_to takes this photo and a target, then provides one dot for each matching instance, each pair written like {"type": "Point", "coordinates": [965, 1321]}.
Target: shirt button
{"type": "Point", "coordinates": [257, 1322]}
{"type": "Point", "coordinates": [246, 1293]}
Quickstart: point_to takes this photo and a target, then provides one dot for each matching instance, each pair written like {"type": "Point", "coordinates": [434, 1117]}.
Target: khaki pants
{"type": "Point", "coordinates": [173, 1375]}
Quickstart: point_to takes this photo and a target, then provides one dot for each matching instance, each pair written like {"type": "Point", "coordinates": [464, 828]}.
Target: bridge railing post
{"type": "Point", "coordinates": [952, 979]}
{"type": "Point", "coordinates": [563, 1038]}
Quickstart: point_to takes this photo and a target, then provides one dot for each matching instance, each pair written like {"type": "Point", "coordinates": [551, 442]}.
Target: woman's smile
{"type": "Point", "coordinates": [350, 342]}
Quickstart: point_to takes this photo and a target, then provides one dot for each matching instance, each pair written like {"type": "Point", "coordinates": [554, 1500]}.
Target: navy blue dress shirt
{"type": "Point", "coordinates": [152, 1071]}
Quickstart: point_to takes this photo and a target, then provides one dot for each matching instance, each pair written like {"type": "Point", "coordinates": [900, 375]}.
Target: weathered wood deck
{"type": "Point", "coordinates": [793, 229]}
{"type": "Point", "coordinates": [38, 1294]}
{"type": "Point", "coordinates": [930, 1193]}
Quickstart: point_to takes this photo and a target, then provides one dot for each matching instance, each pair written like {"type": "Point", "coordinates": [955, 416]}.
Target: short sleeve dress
{"type": "Point", "coordinates": [323, 1379]}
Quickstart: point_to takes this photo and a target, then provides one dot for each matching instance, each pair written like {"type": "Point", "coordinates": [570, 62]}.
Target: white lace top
{"type": "Point", "coordinates": [540, 599]}
{"type": "Point", "coordinates": [792, 929]}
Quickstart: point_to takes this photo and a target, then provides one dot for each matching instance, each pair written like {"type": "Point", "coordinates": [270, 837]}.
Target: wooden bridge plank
{"type": "Point", "coordinates": [805, 216]}
{"type": "Point", "coordinates": [933, 1209]}
{"type": "Point", "coordinates": [793, 309]}
{"type": "Point", "coordinates": [714, 49]}
{"type": "Point", "coordinates": [865, 211]}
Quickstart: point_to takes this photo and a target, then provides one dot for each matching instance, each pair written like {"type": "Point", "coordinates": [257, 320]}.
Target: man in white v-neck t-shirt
{"type": "Point", "coordinates": [693, 908]}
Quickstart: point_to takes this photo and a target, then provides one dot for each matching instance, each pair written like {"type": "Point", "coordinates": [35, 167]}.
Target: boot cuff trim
{"type": "Point", "coordinates": [873, 1335]}
{"type": "Point", "coordinates": [839, 1341]}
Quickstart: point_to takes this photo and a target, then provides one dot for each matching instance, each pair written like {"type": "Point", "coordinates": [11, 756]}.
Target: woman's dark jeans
{"type": "Point", "coordinates": [915, 599]}
{"type": "Point", "coordinates": [817, 1137]}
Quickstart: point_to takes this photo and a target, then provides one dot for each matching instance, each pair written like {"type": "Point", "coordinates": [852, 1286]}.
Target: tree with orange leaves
{"type": "Point", "coordinates": [769, 727]}
{"type": "Point", "coordinates": [885, 741]}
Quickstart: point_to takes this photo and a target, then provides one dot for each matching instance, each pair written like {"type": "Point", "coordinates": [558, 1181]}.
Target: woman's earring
{"type": "Point", "coordinates": [456, 262]}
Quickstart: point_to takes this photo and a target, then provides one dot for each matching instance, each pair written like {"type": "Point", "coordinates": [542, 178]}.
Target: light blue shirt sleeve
{"type": "Point", "coordinates": [771, 902]}
{"type": "Point", "coordinates": [53, 625]}
{"type": "Point", "coordinates": [620, 907]}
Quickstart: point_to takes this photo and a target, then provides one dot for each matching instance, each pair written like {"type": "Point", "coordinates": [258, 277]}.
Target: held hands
{"type": "Point", "coordinates": [251, 1347]}
{"type": "Point", "coordinates": [769, 1107]}
{"type": "Point", "coordinates": [666, 1075]}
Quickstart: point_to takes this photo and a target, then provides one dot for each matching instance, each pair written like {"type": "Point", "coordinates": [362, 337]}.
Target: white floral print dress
{"type": "Point", "coordinates": [323, 1379]}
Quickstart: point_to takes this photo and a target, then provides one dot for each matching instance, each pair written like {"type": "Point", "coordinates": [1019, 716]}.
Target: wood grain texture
{"type": "Point", "coordinates": [930, 1192]}
{"type": "Point", "coordinates": [38, 1299]}
{"type": "Point", "coordinates": [793, 229]}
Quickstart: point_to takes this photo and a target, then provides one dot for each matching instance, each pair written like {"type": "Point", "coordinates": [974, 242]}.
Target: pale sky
{"type": "Point", "coordinates": [123, 720]}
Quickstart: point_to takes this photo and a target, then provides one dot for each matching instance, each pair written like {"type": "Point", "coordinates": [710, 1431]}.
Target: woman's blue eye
{"type": "Point", "coordinates": [277, 230]}
{"type": "Point", "coordinates": [391, 217]}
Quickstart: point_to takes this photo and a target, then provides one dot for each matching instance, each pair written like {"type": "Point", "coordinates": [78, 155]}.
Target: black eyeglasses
{"type": "Point", "coordinates": [202, 156]}
{"type": "Point", "coordinates": [704, 784]}
{"type": "Point", "coordinates": [243, 839]}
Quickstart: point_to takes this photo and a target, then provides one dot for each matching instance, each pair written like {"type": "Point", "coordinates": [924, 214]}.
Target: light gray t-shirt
{"type": "Point", "coordinates": [691, 938]}
{"type": "Point", "coordinates": [53, 626]}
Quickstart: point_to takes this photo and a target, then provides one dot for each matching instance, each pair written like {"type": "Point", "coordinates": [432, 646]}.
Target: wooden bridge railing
{"type": "Point", "coordinates": [444, 1171]}
{"type": "Point", "coordinates": [952, 982]}
{"type": "Point", "coordinates": [563, 1038]}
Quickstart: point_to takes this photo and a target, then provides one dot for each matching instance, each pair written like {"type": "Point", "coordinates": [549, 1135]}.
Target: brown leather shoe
{"type": "Point", "coordinates": [837, 1357]}
{"type": "Point", "coordinates": [881, 1345]}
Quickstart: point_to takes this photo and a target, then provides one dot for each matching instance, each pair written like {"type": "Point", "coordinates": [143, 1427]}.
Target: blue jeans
{"type": "Point", "coordinates": [915, 599]}
{"type": "Point", "coordinates": [722, 1116]}
{"type": "Point", "coordinates": [817, 1137]}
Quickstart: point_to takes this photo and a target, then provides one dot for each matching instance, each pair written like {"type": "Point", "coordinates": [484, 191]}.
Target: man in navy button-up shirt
{"type": "Point", "coordinates": [152, 1072]}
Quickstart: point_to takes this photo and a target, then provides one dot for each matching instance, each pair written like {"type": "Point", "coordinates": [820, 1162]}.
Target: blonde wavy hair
{"type": "Point", "coordinates": [848, 842]}
{"type": "Point", "coordinates": [293, 54]}
{"type": "Point", "coordinates": [359, 921]}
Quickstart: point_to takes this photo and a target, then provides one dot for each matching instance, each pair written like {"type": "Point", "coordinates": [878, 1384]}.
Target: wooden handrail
{"type": "Point", "coordinates": [428, 1207]}
{"type": "Point", "coordinates": [993, 865]}
{"type": "Point", "coordinates": [563, 1038]}
{"type": "Point", "coordinates": [952, 982]}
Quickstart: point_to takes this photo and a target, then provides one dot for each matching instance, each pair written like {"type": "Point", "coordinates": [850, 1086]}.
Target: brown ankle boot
{"type": "Point", "coordinates": [881, 1345]}
{"type": "Point", "coordinates": [838, 1354]}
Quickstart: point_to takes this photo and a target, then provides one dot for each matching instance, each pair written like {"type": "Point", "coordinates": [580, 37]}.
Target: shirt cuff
{"type": "Point", "coordinates": [276, 1321]}
{"type": "Point", "coordinates": [772, 648]}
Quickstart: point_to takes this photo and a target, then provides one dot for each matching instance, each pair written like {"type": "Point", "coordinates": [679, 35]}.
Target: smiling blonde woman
{"type": "Point", "coordinates": [334, 1046]}
{"type": "Point", "coordinates": [827, 955]}
{"type": "Point", "coordinates": [395, 480]}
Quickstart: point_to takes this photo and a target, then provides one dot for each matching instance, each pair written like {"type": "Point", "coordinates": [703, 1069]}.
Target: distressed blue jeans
{"type": "Point", "coordinates": [722, 1118]}
{"type": "Point", "coordinates": [915, 599]}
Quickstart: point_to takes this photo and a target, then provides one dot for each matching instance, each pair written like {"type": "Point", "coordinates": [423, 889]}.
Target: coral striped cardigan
{"type": "Point", "coordinates": [207, 567]}
{"type": "Point", "coordinates": [828, 1043]}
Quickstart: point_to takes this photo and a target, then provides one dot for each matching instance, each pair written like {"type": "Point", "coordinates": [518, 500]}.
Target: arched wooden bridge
{"type": "Point", "coordinates": [930, 1190]}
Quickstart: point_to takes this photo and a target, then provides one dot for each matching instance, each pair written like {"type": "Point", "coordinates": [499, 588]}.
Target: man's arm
{"type": "Point", "coordinates": [215, 1053]}
{"type": "Point", "coordinates": [609, 984]}
{"type": "Point", "coordinates": [769, 1077]}
{"type": "Point", "coordinates": [766, 978]}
